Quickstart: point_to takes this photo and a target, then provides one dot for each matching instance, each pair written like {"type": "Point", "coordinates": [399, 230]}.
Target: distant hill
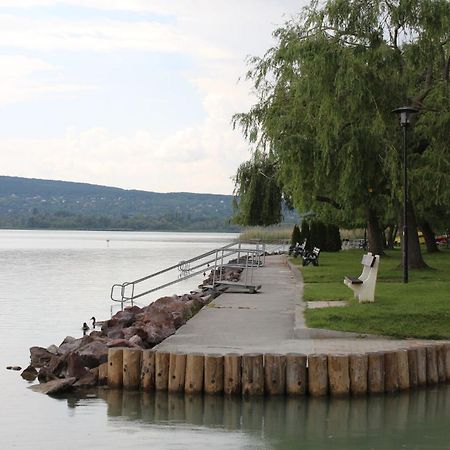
{"type": "Point", "coordinates": [47, 204]}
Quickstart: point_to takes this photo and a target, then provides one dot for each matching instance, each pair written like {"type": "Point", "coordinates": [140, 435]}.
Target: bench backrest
{"type": "Point", "coordinates": [316, 251]}
{"type": "Point", "coordinates": [368, 260]}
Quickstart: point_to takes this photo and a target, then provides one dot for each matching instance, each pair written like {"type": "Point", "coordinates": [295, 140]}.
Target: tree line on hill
{"type": "Point", "coordinates": [49, 204]}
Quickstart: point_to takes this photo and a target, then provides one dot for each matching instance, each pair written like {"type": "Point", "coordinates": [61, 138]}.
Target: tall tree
{"type": "Point", "coordinates": [257, 197]}
{"type": "Point", "coordinates": [325, 95]}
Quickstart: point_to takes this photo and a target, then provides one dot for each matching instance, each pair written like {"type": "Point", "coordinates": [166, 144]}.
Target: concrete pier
{"type": "Point", "coordinates": [270, 321]}
{"type": "Point", "coordinates": [251, 344]}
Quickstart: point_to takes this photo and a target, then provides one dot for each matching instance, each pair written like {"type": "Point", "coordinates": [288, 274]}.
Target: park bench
{"type": "Point", "coordinates": [311, 257]}
{"type": "Point", "coordinates": [363, 287]}
{"type": "Point", "coordinates": [299, 249]}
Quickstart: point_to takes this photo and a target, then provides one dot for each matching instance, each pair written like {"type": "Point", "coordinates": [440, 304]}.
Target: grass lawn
{"type": "Point", "coordinates": [418, 309]}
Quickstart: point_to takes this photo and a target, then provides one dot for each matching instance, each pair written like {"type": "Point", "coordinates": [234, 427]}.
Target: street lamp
{"type": "Point", "coordinates": [405, 113]}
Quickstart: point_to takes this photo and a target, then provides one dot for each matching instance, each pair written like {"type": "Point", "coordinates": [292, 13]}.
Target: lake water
{"type": "Point", "coordinates": [51, 282]}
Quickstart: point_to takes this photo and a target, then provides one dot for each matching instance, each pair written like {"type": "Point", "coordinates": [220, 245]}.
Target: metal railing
{"type": "Point", "coordinates": [249, 256]}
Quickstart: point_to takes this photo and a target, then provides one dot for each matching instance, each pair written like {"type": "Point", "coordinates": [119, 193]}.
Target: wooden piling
{"type": "Point", "coordinates": [318, 374]}
{"type": "Point", "coordinates": [391, 371]}
{"type": "Point", "coordinates": [358, 373]}
{"type": "Point", "coordinates": [274, 374]}
{"type": "Point", "coordinates": [102, 374]}
{"type": "Point", "coordinates": [432, 367]}
{"type": "Point", "coordinates": [413, 367]}
{"type": "Point", "coordinates": [376, 378]}
{"type": "Point", "coordinates": [252, 374]}
{"type": "Point", "coordinates": [131, 368]}
{"type": "Point", "coordinates": [213, 376]}
{"type": "Point", "coordinates": [447, 361]}
{"type": "Point", "coordinates": [161, 371]}
{"type": "Point", "coordinates": [115, 367]}
{"type": "Point", "coordinates": [403, 369]}
{"type": "Point", "coordinates": [339, 375]}
{"type": "Point", "coordinates": [232, 374]}
{"type": "Point", "coordinates": [193, 383]}
{"type": "Point", "coordinates": [177, 370]}
{"type": "Point", "coordinates": [296, 374]}
{"type": "Point", "coordinates": [442, 375]}
{"type": "Point", "coordinates": [421, 366]}
{"type": "Point", "coordinates": [148, 370]}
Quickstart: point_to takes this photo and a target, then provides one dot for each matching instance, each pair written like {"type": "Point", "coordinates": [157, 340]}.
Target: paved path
{"type": "Point", "coordinates": [269, 321]}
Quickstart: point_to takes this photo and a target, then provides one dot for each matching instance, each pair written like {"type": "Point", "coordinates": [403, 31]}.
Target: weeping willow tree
{"type": "Point", "coordinates": [325, 95]}
{"type": "Point", "coordinates": [257, 194]}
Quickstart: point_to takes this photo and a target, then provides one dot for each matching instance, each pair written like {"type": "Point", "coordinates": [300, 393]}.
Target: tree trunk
{"type": "Point", "coordinates": [374, 233]}
{"type": "Point", "coordinates": [428, 234]}
{"type": "Point", "coordinates": [415, 259]}
{"type": "Point", "coordinates": [391, 232]}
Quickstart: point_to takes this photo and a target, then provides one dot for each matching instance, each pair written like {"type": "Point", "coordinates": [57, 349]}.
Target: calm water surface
{"type": "Point", "coordinates": [52, 282]}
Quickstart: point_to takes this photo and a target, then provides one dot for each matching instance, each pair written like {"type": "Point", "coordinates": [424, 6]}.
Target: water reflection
{"type": "Point", "coordinates": [416, 419]}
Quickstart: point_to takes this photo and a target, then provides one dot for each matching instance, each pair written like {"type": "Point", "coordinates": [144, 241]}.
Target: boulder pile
{"type": "Point", "coordinates": [75, 362]}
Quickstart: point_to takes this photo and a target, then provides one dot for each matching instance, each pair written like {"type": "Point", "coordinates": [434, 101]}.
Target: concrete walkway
{"type": "Point", "coordinates": [270, 321]}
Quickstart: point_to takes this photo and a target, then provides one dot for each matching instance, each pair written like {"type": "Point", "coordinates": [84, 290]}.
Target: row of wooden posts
{"type": "Point", "coordinates": [276, 374]}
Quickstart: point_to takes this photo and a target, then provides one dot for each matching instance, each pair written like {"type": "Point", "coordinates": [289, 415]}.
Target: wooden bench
{"type": "Point", "coordinates": [363, 287]}
{"type": "Point", "coordinates": [299, 249]}
{"type": "Point", "coordinates": [311, 257]}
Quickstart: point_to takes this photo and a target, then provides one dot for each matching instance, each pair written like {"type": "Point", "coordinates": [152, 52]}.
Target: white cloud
{"type": "Point", "coordinates": [195, 160]}
{"type": "Point", "coordinates": [18, 83]}
{"type": "Point", "coordinates": [101, 35]}
{"type": "Point", "coordinates": [201, 157]}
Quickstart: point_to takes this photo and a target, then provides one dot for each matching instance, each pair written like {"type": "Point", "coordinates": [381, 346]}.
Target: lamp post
{"type": "Point", "coordinates": [405, 113]}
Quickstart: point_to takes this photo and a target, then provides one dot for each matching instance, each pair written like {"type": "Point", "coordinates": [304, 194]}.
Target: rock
{"type": "Point", "coordinates": [193, 307]}
{"type": "Point", "coordinates": [40, 356]}
{"type": "Point", "coordinates": [75, 366]}
{"type": "Point", "coordinates": [133, 309]}
{"type": "Point", "coordinates": [118, 343]}
{"type": "Point", "coordinates": [90, 379]}
{"type": "Point", "coordinates": [115, 332]}
{"type": "Point", "coordinates": [46, 375]}
{"type": "Point", "coordinates": [136, 341]}
{"type": "Point", "coordinates": [157, 332]}
{"type": "Point", "coordinates": [29, 374]}
{"type": "Point", "coordinates": [124, 318]}
{"type": "Point", "coordinates": [68, 340]}
{"type": "Point", "coordinates": [74, 345]}
{"type": "Point", "coordinates": [56, 365]}
{"type": "Point", "coordinates": [54, 386]}
{"type": "Point", "coordinates": [53, 349]}
{"type": "Point", "coordinates": [97, 334]}
{"type": "Point", "coordinates": [94, 353]}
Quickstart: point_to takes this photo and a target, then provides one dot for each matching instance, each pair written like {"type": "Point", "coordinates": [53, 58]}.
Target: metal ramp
{"type": "Point", "coordinates": [248, 256]}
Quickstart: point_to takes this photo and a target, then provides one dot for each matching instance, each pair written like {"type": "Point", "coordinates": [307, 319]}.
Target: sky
{"type": "Point", "coordinates": [137, 94]}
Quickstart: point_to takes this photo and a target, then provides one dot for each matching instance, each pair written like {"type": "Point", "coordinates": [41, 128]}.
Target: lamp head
{"type": "Point", "coordinates": [405, 113]}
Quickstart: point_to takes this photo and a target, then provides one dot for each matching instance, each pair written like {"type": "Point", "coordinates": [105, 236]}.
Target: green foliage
{"type": "Point", "coordinates": [258, 197]}
{"type": "Point", "coordinates": [326, 91]}
{"type": "Point", "coordinates": [332, 238]}
{"type": "Point", "coordinates": [324, 236]}
{"type": "Point", "coordinates": [296, 237]}
{"type": "Point", "coordinates": [305, 234]}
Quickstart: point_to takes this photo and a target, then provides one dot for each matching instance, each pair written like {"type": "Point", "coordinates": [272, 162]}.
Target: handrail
{"type": "Point", "coordinates": [253, 257]}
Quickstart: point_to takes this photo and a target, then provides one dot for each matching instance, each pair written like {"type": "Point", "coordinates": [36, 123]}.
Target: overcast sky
{"type": "Point", "coordinates": [136, 94]}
